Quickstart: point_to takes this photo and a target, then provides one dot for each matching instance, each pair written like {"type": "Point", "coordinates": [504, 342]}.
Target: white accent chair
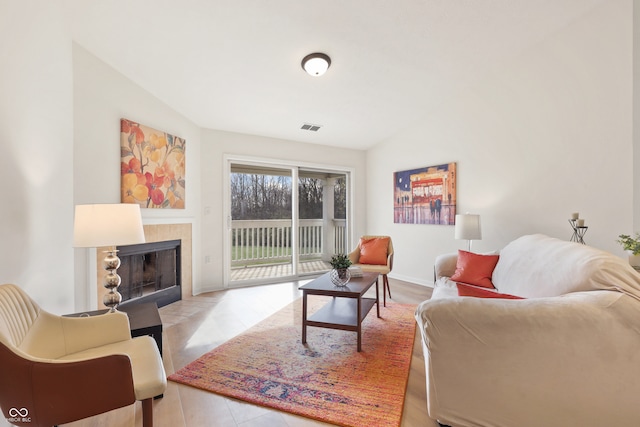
{"type": "Point", "coordinates": [56, 369]}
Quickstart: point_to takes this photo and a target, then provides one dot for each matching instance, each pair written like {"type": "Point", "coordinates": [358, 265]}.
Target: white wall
{"type": "Point", "coordinates": [36, 136]}
{"type": "Point", "coordinates": [215, 144]}
{"type": "Point", "coordinates": [546, 134]}
{"type": "Point", "coordinates": [102, 96]}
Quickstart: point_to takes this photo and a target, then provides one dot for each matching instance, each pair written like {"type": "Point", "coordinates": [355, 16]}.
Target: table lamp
{"type": "Point", "coordinates": [468, 228]}
{"type": "Point", "coordinates": [108, 225]}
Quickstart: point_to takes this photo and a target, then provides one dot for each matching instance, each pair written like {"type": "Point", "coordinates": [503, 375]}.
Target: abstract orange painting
{"type": "Point", "coordinates": [152, 167]}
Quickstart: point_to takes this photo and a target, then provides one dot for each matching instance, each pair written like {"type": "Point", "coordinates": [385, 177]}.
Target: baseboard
{"type": "Point", "coordinates": [417, 281]}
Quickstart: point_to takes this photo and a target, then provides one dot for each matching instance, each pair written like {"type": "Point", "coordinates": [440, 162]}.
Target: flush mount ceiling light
{"type": "Point", "coordinates": [316, 64]}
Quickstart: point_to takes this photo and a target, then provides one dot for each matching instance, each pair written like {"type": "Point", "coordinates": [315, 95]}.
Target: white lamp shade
{"type": "Point", "coordinates": [468, 227]}
{"type": "Point", "coordinates": [101, 225]}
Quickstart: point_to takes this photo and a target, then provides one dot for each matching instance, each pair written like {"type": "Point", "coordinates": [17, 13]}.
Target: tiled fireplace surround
{"type": "Point", "coordinates": [158, 233]}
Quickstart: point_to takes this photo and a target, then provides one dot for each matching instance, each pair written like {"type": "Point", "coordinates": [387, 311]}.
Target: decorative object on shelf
{"type": "Point", "coordinates": [579, 229]}
{"type": "Point", "coordinates": [468, 228]}
{"type": "Point", "coordinates": [152, 168]}
{"type": "Point", "coordinates": [316, 64]}
{"type": "Point", "coordinates": [631, 245]}
{"type": "Point", "coordinates": [425, 195]}
{"type": "Point", "coordinates": [108, 225]}
{"type": "Point", "coordinates": [340, 274]}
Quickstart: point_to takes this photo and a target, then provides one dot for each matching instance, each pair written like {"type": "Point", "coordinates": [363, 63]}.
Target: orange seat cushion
{"type": "Point", "coordinates": [374, 250]}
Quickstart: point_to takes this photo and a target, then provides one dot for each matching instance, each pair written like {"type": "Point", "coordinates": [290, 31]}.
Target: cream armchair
{"type": "Point", "coordinates": [383, 269]}
{"type": "Point", "coordinates": [57, 369]}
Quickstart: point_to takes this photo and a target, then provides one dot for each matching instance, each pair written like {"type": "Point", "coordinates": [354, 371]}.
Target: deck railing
{"type": "Point", "coordinates": [269, 241]}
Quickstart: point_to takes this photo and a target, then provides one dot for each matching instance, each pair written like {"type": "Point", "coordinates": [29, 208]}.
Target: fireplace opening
{"type": "Point", "coordinates": [150, 272]}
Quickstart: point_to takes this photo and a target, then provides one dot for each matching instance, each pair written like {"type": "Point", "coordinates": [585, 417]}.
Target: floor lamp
{"type": "Point", "coordinates": [108, 225]}
{"type": "Point", "coordinates": [468, 228]}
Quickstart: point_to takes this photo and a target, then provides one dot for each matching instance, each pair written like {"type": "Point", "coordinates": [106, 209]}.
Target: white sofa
{"type": "Point", "coordinates": [567, 355]}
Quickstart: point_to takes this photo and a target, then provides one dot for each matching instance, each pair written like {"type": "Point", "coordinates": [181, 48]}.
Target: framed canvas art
{"type": "Point", "coordinates": [425, 195]}
{"type": "Point", "coordinates": [152, 167]}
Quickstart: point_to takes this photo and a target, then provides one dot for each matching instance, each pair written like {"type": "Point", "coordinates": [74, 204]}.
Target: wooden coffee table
{"type": "Point", "coordinates": [346, 310]}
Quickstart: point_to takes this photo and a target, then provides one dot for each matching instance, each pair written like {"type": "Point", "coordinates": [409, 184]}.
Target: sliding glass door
{"type": "Point", "coordinates": [261, 223]}
{"type": "Point", "coordinates": [278, 230]}
{"type": "Point", "coordinates": [322, 218]}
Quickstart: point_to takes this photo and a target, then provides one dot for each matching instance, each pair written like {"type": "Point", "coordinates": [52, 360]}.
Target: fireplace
{"type": "Point", "coordinates": [151, 272]}
{"type": "Point", "coordinates": [155, 233]}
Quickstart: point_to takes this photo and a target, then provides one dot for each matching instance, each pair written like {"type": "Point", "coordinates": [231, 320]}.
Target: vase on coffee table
{"type": "Point", "coordinates": [340, 276]}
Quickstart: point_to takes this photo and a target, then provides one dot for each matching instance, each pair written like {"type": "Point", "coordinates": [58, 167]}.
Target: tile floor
{"type": "Point", "coordinates": [194, 326]}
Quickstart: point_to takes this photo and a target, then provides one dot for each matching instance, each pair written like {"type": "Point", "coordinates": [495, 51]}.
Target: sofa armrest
{"type": "Point", "coordinates": [445, 265]}
{"type": "Point", "coordinates": [532, 362]}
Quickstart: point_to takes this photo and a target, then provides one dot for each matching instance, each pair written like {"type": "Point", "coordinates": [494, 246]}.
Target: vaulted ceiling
{"type": "Point", "coordinates": [235, 64]}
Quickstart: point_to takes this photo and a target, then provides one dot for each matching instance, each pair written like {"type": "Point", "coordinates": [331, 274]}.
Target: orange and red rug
{"type": "Point", "coordinates": [326, 379]}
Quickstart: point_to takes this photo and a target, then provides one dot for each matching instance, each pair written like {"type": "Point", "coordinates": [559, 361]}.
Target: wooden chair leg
{"type": "Point", "coordinates": [384, 290]}
{"type": "Point", "coordinates": [386, 284]}
{"type": "Point", "coordinates": [147, 412]}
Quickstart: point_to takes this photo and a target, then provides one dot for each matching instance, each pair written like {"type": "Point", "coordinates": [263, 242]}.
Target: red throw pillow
{"type": "Point", "coordinates": [475, 269]}
{"type": "Point", "coordinates": [470, 291]}
{"type": "Point", "coordinates": [373, 250]}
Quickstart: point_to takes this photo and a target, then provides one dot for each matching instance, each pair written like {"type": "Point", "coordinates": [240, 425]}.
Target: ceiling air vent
{"type": "Point", "coordinates": [310, 127]}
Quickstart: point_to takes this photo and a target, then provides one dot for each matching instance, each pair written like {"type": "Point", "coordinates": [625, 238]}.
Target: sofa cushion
{"type": "Point", "coordinates": [374, 251]}
{"type": "Point", "coordinates": [542, 266]}
{"type": "Point", "coordinates": [473, 291]}
{"type": "Point", "coordinates": [475, 269]}
{"type": "Point", "coordinates": [149, 378]}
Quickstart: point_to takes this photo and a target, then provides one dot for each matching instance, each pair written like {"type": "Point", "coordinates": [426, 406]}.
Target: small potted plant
{"type": "Point", "coordinates": [340, 273]}
{"type": "Point", "coordinates": [632, 246]}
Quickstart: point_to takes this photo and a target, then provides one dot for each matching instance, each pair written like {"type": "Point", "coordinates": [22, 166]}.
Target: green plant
{"type": "Point", "coordinates": [631, 244]}
{"type": "Point", "coordinates": [339, 261]}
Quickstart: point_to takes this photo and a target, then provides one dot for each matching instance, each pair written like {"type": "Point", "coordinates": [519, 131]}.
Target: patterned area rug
{"type": "Point", "coordinates": [326, 379]}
